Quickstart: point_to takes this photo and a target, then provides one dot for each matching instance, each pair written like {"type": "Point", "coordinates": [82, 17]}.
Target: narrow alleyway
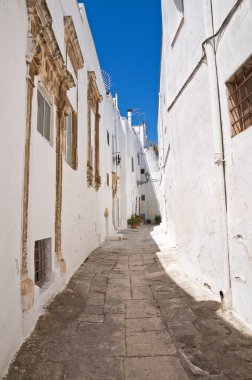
{"type": "Point", "coordinates": [123, 317]}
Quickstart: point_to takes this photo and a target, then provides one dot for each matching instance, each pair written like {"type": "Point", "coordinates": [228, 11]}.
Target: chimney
{"type": "Point", "coordinates": [130, 117]}
{"type": "Point", "coordinates": [116, 100]}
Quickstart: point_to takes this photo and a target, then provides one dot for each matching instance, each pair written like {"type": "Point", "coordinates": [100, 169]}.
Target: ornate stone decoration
{"type": "Point", "coordinates": [94, 99]}
{"type": "Point", "coordinates": [44, 58]}
{"type": "Point", "coordinates": [115, 179]}
{"type": "Point", "coordinates": [72, 44]}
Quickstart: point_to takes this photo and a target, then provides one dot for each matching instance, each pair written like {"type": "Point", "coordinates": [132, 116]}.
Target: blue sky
{"type": "Point", "coordinates": [127, 35]}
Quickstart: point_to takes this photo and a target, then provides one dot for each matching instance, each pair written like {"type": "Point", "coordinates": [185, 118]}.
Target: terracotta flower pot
{"type": "Point", "coordinates": [134, 226]}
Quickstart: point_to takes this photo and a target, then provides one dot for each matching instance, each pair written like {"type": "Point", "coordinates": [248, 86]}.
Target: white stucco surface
{"type": "Point", "coordinates": [192, 206]}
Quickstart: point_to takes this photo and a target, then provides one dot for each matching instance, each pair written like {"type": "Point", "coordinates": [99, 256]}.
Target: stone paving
{"type": "Point", "coordinates": [123, 316]}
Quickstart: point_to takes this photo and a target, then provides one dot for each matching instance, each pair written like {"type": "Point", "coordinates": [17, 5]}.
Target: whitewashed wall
{"type": "Point", "coordinates": [84, 225]}
{"type": "Point", "coordinates": [238, 156]}
{"type": "Point", "coordinates": [12, 134]}
{"type": "Point", "coordinates": [192, 202]}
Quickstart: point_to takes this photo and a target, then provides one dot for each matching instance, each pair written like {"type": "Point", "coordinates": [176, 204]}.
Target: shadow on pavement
{"type": "Point", "coordinates": [122, 316]}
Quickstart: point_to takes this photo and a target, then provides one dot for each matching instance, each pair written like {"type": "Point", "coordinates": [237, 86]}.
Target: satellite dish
{"type": "Point", "coordinates": [106, 80]}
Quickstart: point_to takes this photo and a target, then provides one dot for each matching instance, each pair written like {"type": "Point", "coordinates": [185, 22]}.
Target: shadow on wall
{"type": "Point", "coordinates": [98, 292]}
{"type": "Point", "coordinates": [153, 204]}
{"type": "Point", "coordinates": [179, 5]}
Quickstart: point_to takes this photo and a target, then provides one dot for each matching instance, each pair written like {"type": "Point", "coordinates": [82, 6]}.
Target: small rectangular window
{"type": "Point", "coordinates": [142, 171]}
{"type": "Point", "coordinates": [44, 117]}
{"type": "Point", "coordinates": [107, 179]}
{"type": "Point", "coordinates": [138, 159]}
{"type": "Point", "coordinates": [108, 137]}
{"type": "Point", "coordinates": [240, 98]}
{"type": "Point", "coordinates": [143, 197]}
{"type": "Point", "coordinates": [132, 164]}
{"type": "Point", "coordinates": [41, 261]}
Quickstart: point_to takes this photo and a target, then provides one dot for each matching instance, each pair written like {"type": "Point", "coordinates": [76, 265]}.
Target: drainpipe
{"type": "Point", "coordinates": [219, 160]}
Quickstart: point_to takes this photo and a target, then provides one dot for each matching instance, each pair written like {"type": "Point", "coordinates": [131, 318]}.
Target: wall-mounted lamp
{"type": "Point", "coordinates": [147, 179]}
{"type": "Point", "coordinates": [118, 158]}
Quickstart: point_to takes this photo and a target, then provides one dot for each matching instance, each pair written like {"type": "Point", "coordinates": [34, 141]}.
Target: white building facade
{"type": "Point", "coordinates": [205, 140]}
{"type": "Point", "coordinates": [70, 166]}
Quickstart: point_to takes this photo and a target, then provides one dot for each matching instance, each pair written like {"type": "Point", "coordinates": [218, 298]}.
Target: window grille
{"type": "Point", "coordinates": [40, 262]}
{"type": "Point", "coordinates": [240, 98]}
{"type": "Point", "coordinates": [44, 117]}
{"type": "Point", "coordinates": [143, 197]}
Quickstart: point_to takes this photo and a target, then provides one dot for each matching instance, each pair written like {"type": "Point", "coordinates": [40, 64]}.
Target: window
{"type": "Point", "coordinates": [41, 255]}
{"type": "Point", "coordinates": [142, 171]}
{"type": "Point", "coordinates": [132, 164]}
{"type": "Point", "coordinates": [240, 98]}
{"type": "Point", "coordinates": [138, 159]}
{"type": "Point", "coordinates": [107, 179]}
{"type": "Point", "coordinates": [143, 197]}
{"type": "Point", "coordinates": [71, 139]}
{"type": "Point", "coordinates": [44, 117]}
{"type": "Point", "coordinates": [108, 137]}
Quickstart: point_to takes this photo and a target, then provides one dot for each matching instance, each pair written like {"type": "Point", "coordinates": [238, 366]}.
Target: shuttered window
{"type": "Point", "coordinates": [71, 139]}
{"type": "Point", "coordinates": [44, 117]}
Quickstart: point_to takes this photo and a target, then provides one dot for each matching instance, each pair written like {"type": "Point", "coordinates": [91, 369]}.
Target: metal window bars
{"type": "Point", "coordinates": [240, 99]}
{"type": "Point", "coordinates": [40, 262]}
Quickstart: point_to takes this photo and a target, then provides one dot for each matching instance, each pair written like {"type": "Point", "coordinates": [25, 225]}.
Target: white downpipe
{"type": "Point", "coordinates": [218, 150]}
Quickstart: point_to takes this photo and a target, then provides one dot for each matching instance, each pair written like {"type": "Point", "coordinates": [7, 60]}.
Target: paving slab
{"type": "Point", "coordinates": [94, 368]}
{"type": "Point", "coordinates": [144, 324]}
{"type": "Point", "coordinates": [149, 343]}
{"type": "Point", "coordinates": [150, 368]}
{"type": "Point", "coordinates": [141, 309]}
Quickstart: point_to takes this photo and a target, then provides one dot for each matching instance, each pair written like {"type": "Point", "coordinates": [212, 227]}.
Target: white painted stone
{"type": "Point", "coordinates": [192, 202]}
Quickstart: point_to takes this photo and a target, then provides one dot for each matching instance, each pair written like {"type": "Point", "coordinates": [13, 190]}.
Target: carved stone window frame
{"type": "Point", "coordinates": [94, 99]}
{"type": "Point", "coordinates": [74, 160]}
{"type": "Point", "coordinates": [49, 99]}
{"type": "Point", "coordinates": [44, 59]}
{"type": "Point", "coordinates": [73, 49]}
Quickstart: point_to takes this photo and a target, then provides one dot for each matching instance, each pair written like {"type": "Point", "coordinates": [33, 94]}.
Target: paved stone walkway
{"type": "Point", "coordinates": [123, 317]}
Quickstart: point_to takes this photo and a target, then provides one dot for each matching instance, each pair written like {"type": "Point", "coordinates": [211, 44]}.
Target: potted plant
{"type": "Point", "coordinates": [158, 219]}
{"type": "Point", "coordinates": [139, 219]}
{"type": "Point", "coordinates": [133, 221]}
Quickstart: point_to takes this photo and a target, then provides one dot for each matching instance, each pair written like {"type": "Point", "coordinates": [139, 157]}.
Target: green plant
{"type": "Point", "coordinates": [132, 220]}
{"type": "Point", "coordinates": [148, 221]}
{"type": "Point", "coordinates": [138, 217]}
{"type": "Point", "coordinates": [155, 149]}
{"type": "Point", "coordinates": [158, 219]}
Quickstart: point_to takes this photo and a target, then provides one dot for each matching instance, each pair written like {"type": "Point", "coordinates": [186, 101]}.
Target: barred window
{"type": "Point", "coordinates": [143, 197]}
{"type": "Point", "coordinates": [40, 262]}
{"type": "Point", "coordinates": [142, 171]}
{"type": "Point", "coordinates": [240, 98]}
